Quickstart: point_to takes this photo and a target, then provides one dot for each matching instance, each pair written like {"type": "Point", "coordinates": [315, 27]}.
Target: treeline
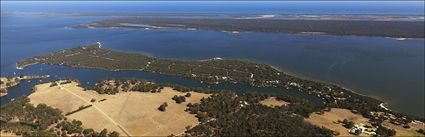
{"type": "Point", "coordinates": [226, 114]}
{"type": "Point", "coordinates": [23, 119]}
{"type": "Point", "coordinates": [40, 116]}
{"type": "Point", "coordinates": [402, 29]}
{"type": "Point", "coordinates": [77, 110]}
{"type": "Point", "coordinates": [74, 127]}
{"type": "Point", "coordinates": [113, 86]}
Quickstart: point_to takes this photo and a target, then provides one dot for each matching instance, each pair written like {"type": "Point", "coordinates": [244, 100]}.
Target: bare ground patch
{"type": "Point", "coordinates": [273, 102]}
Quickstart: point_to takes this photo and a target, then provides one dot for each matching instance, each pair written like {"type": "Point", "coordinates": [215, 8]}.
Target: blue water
{"type": "Point", "coordinates": [384, 68]}
{"type": "Point", "coordinates": [88, 77]}
{"type": "Point", "coordinates": [283, 7]}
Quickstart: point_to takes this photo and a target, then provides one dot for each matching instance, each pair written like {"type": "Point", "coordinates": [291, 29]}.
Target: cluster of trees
{"type": "Point", "coordinates": [163, 106]}
{"type": "Point", "coordinates": [347, 124]}
{"type": "Point", "coordinates": [23, 119]}
{"type": "Point", "coordinates": [40, 116]}
{"type": "Point", "coordinates": [66, 82]}
{"type": "Point", "coordinates": [337, 27]}
{"type": "Point", "coordinates": [53, 84]}
{"type": "Point", "coordinates": [421, 131]}
{"type": "Point", "coordinates": [385, 132]}
{"type": "Point", "coordinates": [10, 81]}
{"type": "Point", "coordinates": [113, 86]}
{"type": "Point", "coordinates": [222, 115]}
{"type": "Point", "coordinates": [179, 99]}
{"type": "Point", "coordinates": [188, 95]}
{"type": "Point", "coordinates": [101, 89]}
{"type": "Point", "coordinates": [79, 109]}
{"type": "Point", "coordinates": [147, 87]}
{"type": "Point", "coordinates": [66, 128]}
{"type": "Point", "coordinates": [188, 89]}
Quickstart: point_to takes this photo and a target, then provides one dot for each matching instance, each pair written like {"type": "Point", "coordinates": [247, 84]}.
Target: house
{"type": "Point", "coordinates": [362, 129]}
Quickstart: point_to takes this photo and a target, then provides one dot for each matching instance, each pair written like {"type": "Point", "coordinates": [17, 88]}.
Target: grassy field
{"type": "Point", "coordinates": [273, 102]}
{"type": "Point", "coordinates": [406, 132]}
{"type": "Point", "coordinates": [129, 113]}
{"type": "Point", "coordinates": [329, 120]}
{"type": "Point", "coordinates": [4, 134]}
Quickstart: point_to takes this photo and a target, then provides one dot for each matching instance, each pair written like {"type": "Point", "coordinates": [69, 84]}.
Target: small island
{"type": "Point", "coordinates": [218, 70]}
{"type": "Point", "coordinates": [6, 82]}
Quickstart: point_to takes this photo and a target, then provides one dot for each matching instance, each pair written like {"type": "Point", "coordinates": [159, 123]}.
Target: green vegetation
{"type": "Point", "coordinates": [53, 84]}
{"type": "Point", "coordinates": [347, 124]}
{"type": "Point", "coordinates": [403, 29]}
{"type": "Point", "coordinates": [3, 90]}
{"type": "Point", "coordinates": [163, 106]}
{"type": "Point", "coordinates": [179, 99]}
{"type": "Point", "coordinates": [22, 118]}
{"type": "Point", "coordinates": [113, 86]}
{"type": "Point", "coordinates": [188, 95]}
{"type": "Point", "coordinates": [213, 71]}
{"type": "Point", "coordinates": [226, 114]}
{"type": "Point", "coordinates": [79, 109]}
{"type": "Point", "coordinates": [66, 82]}
{"type": "Point", "coordinates": [385, 132]}
{"type": "Point", "coordinates": [421, 131]}
{"type": "Point", "coordinates": [102, 100]}
{"type": "Point", "coordinates": [6, 82]}
{"type": "Point", "coordinates": [42, 115]}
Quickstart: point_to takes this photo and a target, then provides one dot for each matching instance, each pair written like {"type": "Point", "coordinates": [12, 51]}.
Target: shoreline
{"type": "Point", "coordinates": [85, 26]}
{"type": "Point", "coordinates": [8, 82]}
{"type": "Point", "coordinates": [252, 73]}
{"type": "Point", "coordinates": [405, 29]}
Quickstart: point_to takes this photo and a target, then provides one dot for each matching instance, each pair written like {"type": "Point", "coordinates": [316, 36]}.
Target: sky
{"type": "Point", "coordinates": [290, 7]}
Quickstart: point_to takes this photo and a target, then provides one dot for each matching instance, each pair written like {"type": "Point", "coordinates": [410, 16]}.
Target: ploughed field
{"type": "Point", "coordinates": [400, 29]}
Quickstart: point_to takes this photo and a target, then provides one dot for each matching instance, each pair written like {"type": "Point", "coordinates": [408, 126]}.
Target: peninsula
{"type": "Point", "coordinates": [6, 82]}
{"type": "Point", "coordinates": [219, 70]}
{"type": "Point", "coordinates": [391, 28]}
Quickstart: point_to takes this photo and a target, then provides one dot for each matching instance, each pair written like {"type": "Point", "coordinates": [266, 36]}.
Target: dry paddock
{"type": "Point", "coordinates": [129, 113]}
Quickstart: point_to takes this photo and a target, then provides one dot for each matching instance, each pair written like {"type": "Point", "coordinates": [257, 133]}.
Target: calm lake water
{"type": "Point", "coordinates": [384, 68]}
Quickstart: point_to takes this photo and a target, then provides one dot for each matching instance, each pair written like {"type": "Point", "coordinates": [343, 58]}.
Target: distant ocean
{"type": "Point", "coordinates": [282, 7]}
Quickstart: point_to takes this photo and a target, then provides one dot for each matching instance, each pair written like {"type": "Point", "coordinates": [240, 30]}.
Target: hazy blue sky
{"type": "Point", "coordinates": [309, 7]}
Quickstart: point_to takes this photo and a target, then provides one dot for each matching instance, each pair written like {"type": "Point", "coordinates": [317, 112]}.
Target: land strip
{"type": "Point", "coordinates": [6, 82]}
{"type": "Point", "coordinates": [218, 70]}
{"type": "Point", "coordinates": [395, 29]}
